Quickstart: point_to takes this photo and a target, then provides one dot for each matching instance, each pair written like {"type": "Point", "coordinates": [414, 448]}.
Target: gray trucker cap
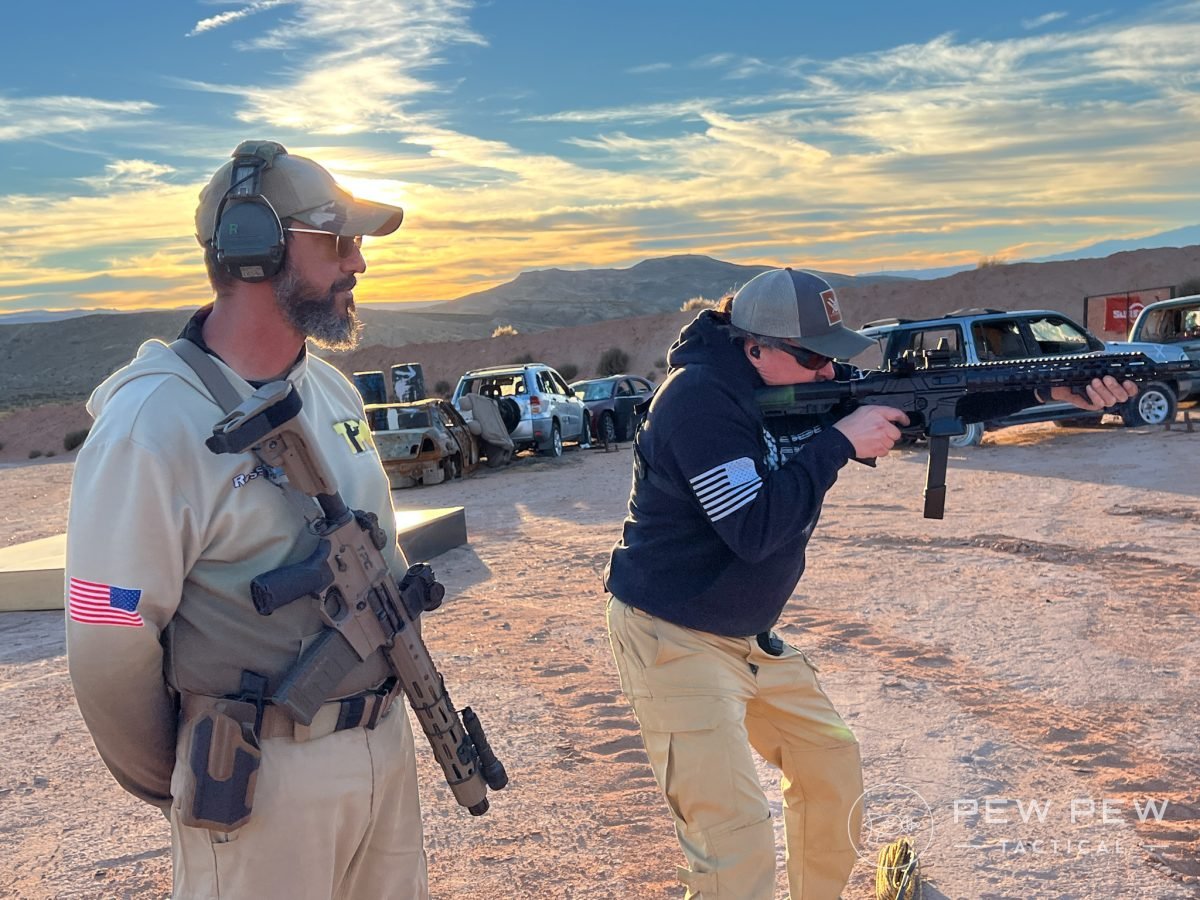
{"type": "Point", "coordinates": [798, 306]}
{"type": "Point", "coordinates": [300, 189]}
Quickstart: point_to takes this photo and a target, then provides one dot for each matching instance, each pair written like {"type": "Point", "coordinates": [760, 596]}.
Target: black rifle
{"type": "Point", "coordinates": [363, 607]}
{"type": "Point", "coordinates": [928, 390]}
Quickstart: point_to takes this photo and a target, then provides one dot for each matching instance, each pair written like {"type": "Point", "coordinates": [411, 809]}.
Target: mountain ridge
{"type": "Point", "coordinates": [65, 359]}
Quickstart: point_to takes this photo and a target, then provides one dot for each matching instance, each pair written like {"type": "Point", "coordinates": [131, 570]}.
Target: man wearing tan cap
{"type": "Point", "coordinates": [722, 508]}
{"type": "Point", "coordinates": [165, 536]}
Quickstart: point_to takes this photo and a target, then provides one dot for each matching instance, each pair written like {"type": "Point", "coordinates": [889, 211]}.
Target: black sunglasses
{"type": "Point", "coordinates": [809, 359]}
{"type": "Point", "coordinates": [346, 243]}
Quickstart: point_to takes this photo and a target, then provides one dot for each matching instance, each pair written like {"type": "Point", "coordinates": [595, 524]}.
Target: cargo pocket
{"type": "Point", "coordinates": [702, 883]}
{"type": "Point", "coordinates": [689, 744]}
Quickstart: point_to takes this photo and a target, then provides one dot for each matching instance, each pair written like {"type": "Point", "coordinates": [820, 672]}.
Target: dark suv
{"type": "Point", "coordinates": [984, 335]}
{"type": "Point", "coordinates": [602, 396]}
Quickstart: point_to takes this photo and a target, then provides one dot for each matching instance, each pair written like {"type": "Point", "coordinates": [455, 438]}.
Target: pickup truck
{"type": "Point", "coordinates": [1175, 323]}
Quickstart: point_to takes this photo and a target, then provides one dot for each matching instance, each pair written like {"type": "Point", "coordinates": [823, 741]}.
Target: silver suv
{"type": "Point", "coordinates": [984, 335]}
{"type": "Point", "coordinates": [538, 408]}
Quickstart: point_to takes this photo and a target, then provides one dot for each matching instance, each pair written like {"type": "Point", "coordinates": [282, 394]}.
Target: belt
{"type": "Point", "coordinates": [363, 710]}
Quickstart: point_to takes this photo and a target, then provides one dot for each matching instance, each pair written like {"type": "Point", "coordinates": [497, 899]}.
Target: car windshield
{"type": "Point", "coordinates": [599, 391]}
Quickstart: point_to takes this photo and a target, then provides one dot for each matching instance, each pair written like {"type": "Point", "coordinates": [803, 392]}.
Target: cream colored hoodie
{"type": "Point", "coordinates": [161, 524]}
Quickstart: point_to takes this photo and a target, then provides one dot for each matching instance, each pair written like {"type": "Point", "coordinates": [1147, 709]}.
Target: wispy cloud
{"type": "Point", "coordinates": [128, 172]}
{"type": "Point", "coordinates": [233, 15]}
{"type": "Point", "coordinates": [24, 118]}
{"type": "Point", "coordinates": [649, 68]}
{"type": "Point", "coordinates": [1039, 21]}
{"type": "Point", "coordinates": [353, 80]}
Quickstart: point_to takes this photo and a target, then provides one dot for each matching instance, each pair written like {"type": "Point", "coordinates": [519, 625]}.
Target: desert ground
{"type": "Point", "coordinates": [1022, 677]}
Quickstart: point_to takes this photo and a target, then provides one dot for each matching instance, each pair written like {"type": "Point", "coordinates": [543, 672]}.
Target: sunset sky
{"type": "Point", "coordinates": [526, 134]}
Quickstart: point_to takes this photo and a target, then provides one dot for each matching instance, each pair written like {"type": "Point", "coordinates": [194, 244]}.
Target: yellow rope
{"type": "Point", "coordinates": [898, 873]}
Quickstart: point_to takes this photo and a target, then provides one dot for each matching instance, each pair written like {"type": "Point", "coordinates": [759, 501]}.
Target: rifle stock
{"type": "Point", "coordinates": [929, 392]}
{"type": "Point", "coordinates": [363, 606]}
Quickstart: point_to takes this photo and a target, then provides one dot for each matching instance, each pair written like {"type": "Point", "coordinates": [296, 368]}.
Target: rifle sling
{"type": "Point", "coordinates": [226, 396]}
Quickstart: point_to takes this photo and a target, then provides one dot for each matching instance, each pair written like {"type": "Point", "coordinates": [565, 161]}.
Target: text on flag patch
{"type": "Point", "coordinates": [103, 604]}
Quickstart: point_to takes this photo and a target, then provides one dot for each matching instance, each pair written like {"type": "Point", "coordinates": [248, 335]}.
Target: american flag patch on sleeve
{"type": "Point", "coordinates": [103, 604]}
{"type": "Point", "coordinates": [727, 487]}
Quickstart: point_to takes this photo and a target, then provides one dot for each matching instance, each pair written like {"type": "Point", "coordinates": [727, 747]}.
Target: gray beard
{"type": "Point", "coordinates": [314, 314]}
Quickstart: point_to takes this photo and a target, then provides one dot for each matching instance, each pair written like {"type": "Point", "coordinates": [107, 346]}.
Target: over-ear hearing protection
{"type": "Point", "coordinates": [248, 240]}
{"type": "Point", "coordinates": [755, 352]}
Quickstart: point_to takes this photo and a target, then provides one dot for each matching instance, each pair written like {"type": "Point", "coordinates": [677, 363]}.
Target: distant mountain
{"type": "Point", "coordinates": [1179, 237]}
{"type": "Point", "coordinates": [66, 357]}
{"type": "Point", "coordinates": [50, 315]}
{"type": "Point", "coordinates": [548, 298]}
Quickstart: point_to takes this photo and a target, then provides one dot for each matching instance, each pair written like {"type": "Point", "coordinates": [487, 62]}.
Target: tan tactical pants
{"type": "Point", "coordinates": [335, 817]}
{"type": "Point", "coordinates": [702, 701]}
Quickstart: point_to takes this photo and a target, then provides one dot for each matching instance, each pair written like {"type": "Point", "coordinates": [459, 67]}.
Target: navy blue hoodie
{"type": "Point", "coordinates": [717, 528]}
{"type": "Point", "coordinates": [715, 536]}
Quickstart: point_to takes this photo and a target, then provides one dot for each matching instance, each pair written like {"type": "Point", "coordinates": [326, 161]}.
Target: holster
{"type": "Point", "coordinates": [221, 763]}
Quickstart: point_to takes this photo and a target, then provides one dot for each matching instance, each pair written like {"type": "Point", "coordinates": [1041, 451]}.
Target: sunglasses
{"type": "Point", "coordinates": [809, 359]}
{"type": "Point", "coordinates": [346, 244]}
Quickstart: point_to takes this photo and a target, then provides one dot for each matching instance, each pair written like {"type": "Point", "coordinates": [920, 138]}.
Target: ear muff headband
{"type": "Point", "coordinates": [248, 240]}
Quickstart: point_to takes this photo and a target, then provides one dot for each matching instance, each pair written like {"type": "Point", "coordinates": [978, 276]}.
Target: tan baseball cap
{"type": "Point", "coordinates": [297, 188]}
{"type": "Point", "coordinates": [798, 306]}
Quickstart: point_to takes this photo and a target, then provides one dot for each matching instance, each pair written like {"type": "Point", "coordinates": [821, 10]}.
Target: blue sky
{"type": "Point", "coordinates": [849, 137]}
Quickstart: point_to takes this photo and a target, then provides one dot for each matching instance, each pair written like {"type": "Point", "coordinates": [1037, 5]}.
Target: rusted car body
{"type": "Point", "coordinates": [421, 443]}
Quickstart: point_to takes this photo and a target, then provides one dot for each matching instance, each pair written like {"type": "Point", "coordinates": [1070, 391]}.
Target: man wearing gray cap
{"type": "Point", "coordinates": [723, 504]}
{"type": "Point", "coordinates": [165, 536]}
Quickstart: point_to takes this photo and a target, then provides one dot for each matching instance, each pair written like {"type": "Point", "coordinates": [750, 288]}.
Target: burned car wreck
{"type": "Point", "coordinates": [421, 443]}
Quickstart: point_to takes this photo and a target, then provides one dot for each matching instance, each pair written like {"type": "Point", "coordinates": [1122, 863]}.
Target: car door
{"type": "Point", "coordinates": [570, 408]}
{"type": "Point", "coordinates": [1056, 335]}
{"type": "Point", "coordinates": [642, 389]}
{"type": "Point", "coordinates": [939, 338]}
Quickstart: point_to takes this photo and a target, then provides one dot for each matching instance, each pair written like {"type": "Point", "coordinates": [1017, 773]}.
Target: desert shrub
{"type": "Point", "coordinates": [525, 359]}
{"type": "Point", "coordinates": [442, 389]}
{"type": "Point", "coordinates": [48, 453]}
{"type": "Point", "coordinates": [661, 363]}
{"type": "Point", "coordinates": [568, 371]}
{"type": "Point", "coordinates": [613, 361]}
{"type": "Point", "coordinates": [504, 330]}
{"type": "Point", "coordinates": [34, 454]}
{"type": "Point", "coordinates": [990, 262]}
{"type": "Point", "coordinates": [74, 438]}
{"type": "Point", "coordinates": [697, 303]}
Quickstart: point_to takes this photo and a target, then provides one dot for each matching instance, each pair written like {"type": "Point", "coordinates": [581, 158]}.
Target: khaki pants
{"type": "Point", "coordinates": [336, 817]}
{"type": "Point", "coordinates": [702, 701]}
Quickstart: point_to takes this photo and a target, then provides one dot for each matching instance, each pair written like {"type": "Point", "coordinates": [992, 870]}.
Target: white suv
{"type": "Point", "coordinates": [538, 408]}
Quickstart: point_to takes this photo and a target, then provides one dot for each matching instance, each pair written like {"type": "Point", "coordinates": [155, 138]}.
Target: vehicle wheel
{"type": "Point", "coordinates": [970, 438]}
{"type": "Point", "coordinates": [510, 413]}
{"type": "Point", "coordinates": [1154, 404]}
{"type": "Point", "coordinates": [608, 429]}
{"type": "Point", "coordinates": [555, 447]}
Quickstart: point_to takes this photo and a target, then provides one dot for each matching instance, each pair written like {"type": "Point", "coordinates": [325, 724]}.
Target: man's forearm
{"type": "Point", "coordinates": [132, 720]}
